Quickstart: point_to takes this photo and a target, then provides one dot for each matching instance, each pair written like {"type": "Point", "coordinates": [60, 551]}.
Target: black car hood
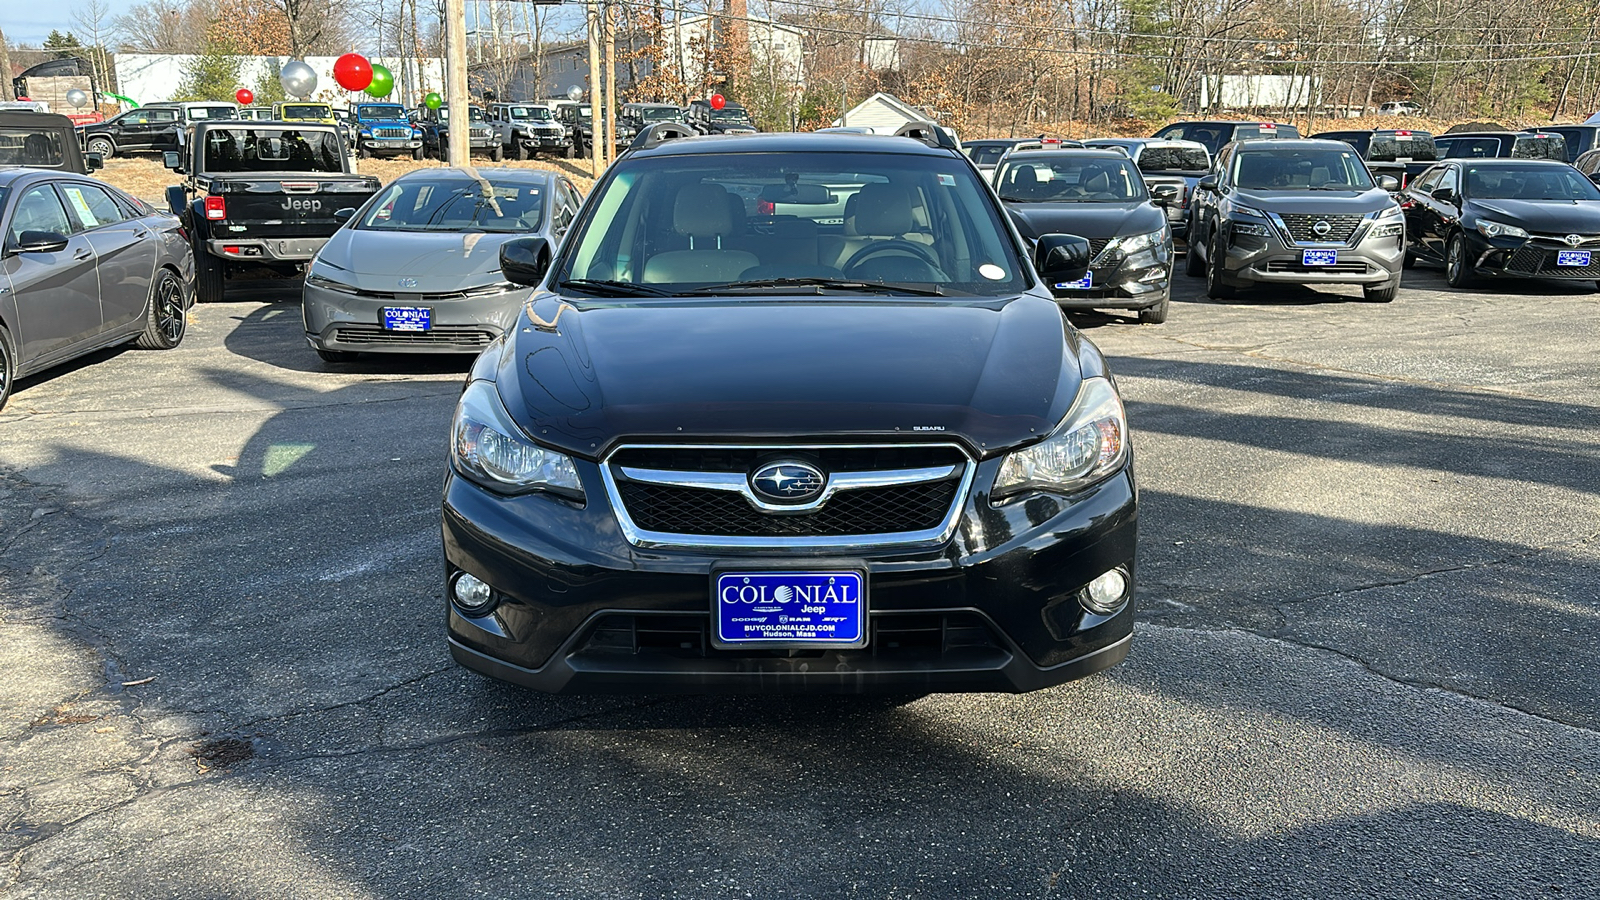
{"type": "Point", "coordinates": [1089, 220]}
{"type": "Point", "coordinates": [991, 374]}
{"type": "Point", "coordinates": [1544, 216]}
{"type": "Point", "coordinates": [1312, 203]}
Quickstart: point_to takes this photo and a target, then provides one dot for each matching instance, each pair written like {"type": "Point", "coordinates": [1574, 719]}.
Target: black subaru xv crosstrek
{"type": "Point", "coordinates": [790, 413]}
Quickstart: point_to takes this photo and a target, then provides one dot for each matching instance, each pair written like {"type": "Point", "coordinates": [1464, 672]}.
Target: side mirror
{"type": "Point", "coordinates": [41, 242]}
{"type": "Point", "coordinates": [525, 261]}
{"type": "Point", "coordinates": [1164, 194]}
{"type": "Point", "coordinates": [1389, 183]}
{"type": "Point", "coordinates": [94, 162]}
{"type": "Point", "coordinates": [1208, 183]}
{"type": "Point", "coordinates": [177, 200]}
{"type": "Point", "coordinates": [346, 214]}
{"type": "Point", "coordinates": [1595, 177]}
{"type": "Point", "coordinates": [1060, 258]}
{"type": "Point", "coordinates": [173, 160]}
{"type": "Point", "coordinates": [1444, 195]}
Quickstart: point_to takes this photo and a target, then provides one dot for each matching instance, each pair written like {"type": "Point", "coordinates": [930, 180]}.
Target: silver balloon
{"type": "Point", "coordinates": [77, 98]}
{"type": "Point", "coordinates": [574, 93]}
{"type": "Point", "coordinates": [298, 79]}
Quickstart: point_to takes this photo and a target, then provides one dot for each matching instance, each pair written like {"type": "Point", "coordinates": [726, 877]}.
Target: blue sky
{"type": "Point", "coordinates": [30, 23]}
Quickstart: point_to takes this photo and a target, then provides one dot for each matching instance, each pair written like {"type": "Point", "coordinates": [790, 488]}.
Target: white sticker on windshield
{"type": "Point", "coordinates": [947, 180]}
{"type": "Point", "coordinates": [992, 272]}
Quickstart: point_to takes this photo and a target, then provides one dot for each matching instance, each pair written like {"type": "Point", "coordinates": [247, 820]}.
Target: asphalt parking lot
{"type": "Point", "coordinates": [1366, 664]}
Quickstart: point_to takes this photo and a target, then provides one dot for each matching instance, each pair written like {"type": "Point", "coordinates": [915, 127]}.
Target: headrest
{"type": "Point", "coordinates": [883, 209]}
{"type": "Point", "coordinates": [702, 210]}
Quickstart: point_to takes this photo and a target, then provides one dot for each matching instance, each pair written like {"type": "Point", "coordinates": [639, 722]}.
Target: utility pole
{"type": "Point", "coordinates": [455, 81]}
{"type": "Point", "coordinates": [610, 13]}
{"type": "Point", "coordinates": [596, 120]}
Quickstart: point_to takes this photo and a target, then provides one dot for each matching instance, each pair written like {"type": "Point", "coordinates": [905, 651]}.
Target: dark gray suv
{"type": "Point", "coordinates": [1297, 212]}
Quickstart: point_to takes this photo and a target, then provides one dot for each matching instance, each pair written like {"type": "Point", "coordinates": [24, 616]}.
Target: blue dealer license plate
{"type": "Point", "coordinates": [789, 609]}
{"type": "Point", "coordinates": [1082, 284]}
{"type": "Point", "coordinates": [407, 318]}
{"type": "Point", "coordinates": [1572, 257]}
{"type": "Point", "coordinates": [1309, 258]}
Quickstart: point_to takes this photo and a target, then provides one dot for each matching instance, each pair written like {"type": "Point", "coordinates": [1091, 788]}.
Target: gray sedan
{"type": "Point", "coordinates": [83, 267]}
{"type": "Point", "coordinates": [417, 269]}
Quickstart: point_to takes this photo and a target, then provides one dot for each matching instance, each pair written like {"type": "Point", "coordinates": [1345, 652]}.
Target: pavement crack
{"type": "Point", "coordinates": [346, 703]}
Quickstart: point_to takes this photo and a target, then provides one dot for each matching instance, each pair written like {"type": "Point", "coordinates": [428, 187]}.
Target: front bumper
{"type": "Point", "coordinates": [338, 321]}
{"type": "Point", "coordinates": [1136, 282]}
{"type": "Point", "coordinates": [994, 608]}
{"type": "Point", "coordinates": [382, 146]}
{"type": "Point", "coordinates": [266, 250]}
{"type": "Point", "coordinates": [542, 141]}
{"type": "Point", "coordinates": [1250, 259]}
{"type": "Point", "coordinates": [1530, 258]}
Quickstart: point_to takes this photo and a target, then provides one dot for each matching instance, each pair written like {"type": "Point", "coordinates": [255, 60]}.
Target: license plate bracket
{"type": "Point", "coordinates": [1573, 258]}
{"type": "Point", "coordinates": [820, 606]}
{"type": "Point", "coordinates": [1315, 258]}
{"type": "Point", "coordinates": [407, 318]}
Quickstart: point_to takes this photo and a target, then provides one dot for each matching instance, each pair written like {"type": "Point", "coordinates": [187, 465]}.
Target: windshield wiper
{"type": "Point", "coordinates": [843, 284]}
{"type": "Point", "coordinates": [615, 288]}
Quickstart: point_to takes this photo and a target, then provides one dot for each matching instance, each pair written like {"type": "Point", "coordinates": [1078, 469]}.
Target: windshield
{"type": "Point", "coordinates": [1067, 178]}
{"type": "Point", "coordinates": [212, 112]}
{"type": "Point", "coordinates": [1469, 148]}
{"type": "Point", "coordinates": [1174, 159]}
{"type": "Point", "coordinates": [649, 115]}
{"type": "Point", "coordinates": [272, 150]}
{"type": "Point", "coordinates": [1528, 183]}
{"type": "Point", "coordinates": [381, 113]}
{"type": "Point", "coordinates": [27, 147]}
{"type": "Point", "coordinates": [474, 114]}
{"type": "Point", "coordinates": [291, 113]}
{"type": "Point", "coordinates": [1312, 168]}
{"type": "Point", "coordinates": [986, 156]}
{"type": "Point", "coordinates": [522, 113]}
{"type": "Point", "coordinates": [673, 224]}
{"type": "Point", "coordinates": [729, 114]}
{"type": "Point", "coordinates": [455, 204]}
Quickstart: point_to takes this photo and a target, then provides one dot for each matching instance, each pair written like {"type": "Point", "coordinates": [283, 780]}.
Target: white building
{"type": "Point", "coordinates": [690, 41]}
{"type": "Point", "coordinates": [883, 113]}
{"type": "Point", "coordinates": [151, 77]}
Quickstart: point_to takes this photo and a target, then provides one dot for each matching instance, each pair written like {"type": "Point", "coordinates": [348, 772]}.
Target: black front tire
{"type": "Point", "coordinates": [1457, 271]}
{"type": "Point", "coordinates": [498, 154]}
{"type": "Point", "coordinates": [1410, 261]}
{"type": "Point", "coordinates": [1155, 314]}
{"type": "Point", "coordinates": [419, 154]}
{"type": "Point", "coordinates": [337, 356]}
{"type": "Point", "coordinates": [364, 153]}
{"type": "Point", "coordinates": [521, 151]}
{"type": "Point", "coordinates": [1192, 264]}
{"type": "Point", "coordinates": [166, 316]}
{"type": "Point", "coordinates": [1380, 293]}
{"type": "Point", "coordinates": [567, 151]}
{"type": "Point", "coordinates": [1216, 288]}
{"type": "Point", "coordinates": [8, 366]}
{"type": "Point", "coordinates": [208, 277]}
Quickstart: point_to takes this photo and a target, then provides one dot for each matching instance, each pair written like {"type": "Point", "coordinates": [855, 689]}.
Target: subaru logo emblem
{"type": "Point", "coordinates": [1322, 228]}
{"type": "Point", "coordinates": [408, 282]}
{"type": "Point", "coordinates": [788, 482]}
{"type": "Point", "coordinates": [1574, 240]}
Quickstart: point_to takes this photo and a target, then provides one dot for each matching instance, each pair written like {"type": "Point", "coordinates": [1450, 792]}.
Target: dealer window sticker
{"type": "Point", "coordinates": [81, 207]}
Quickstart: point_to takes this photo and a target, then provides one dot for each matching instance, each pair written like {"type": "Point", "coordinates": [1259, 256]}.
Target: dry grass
{"type": "Point", "coordinates": [144, 177]}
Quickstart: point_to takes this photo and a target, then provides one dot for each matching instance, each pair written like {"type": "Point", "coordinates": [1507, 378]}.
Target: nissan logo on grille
{"type": "Point", "coordinates": [789, 482]}
{"type": "Point", "coordinates": [1322, 228]}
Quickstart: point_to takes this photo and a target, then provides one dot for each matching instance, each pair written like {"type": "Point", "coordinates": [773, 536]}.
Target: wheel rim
{"type": "Point", "coordinates": [1455, 258]}
{"type": "Point", "coordinates": [101, 147]}
{"type": "Point", "coordinates": [169, 309]}
{"type": "Point", "coordinates": [5, 368]}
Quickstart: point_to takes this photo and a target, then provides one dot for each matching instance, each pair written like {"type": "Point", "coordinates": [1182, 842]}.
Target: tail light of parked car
{"type": "Point", "coordinates": [216, 208]}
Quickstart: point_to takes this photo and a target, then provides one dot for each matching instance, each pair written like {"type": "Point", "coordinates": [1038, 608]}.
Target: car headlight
{"type": "Point", "coordinates": [1090, 444]}
{"type": "Point", "coordinates": [319, 280]}
{"type": "Point", "coordinates": [1499, 229]}
{"type": "Point", "coordinates": [489, 449]}
{"type": "Point", "coordinates": [1130, 244]}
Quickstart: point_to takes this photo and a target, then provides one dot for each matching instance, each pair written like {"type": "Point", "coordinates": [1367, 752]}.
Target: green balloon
{"type": "Point", "coordinates": [382, 82]}
{"type": "Point", "coordinates": [433, 100]}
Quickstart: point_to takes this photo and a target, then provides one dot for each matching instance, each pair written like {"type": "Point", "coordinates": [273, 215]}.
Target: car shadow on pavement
{"type": "Point", "coordinates": [275, 335]}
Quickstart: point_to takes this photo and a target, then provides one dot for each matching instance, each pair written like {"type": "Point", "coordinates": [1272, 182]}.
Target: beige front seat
{"type": "Point", "coordinates": [704, 214]}
{"type": "Point", "coordinates": [883, 212]}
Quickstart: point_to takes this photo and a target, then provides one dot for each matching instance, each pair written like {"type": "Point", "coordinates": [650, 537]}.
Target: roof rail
{"type": "Point", "coordinates": [929, 133]}
{"type": "Point", "coordinates": [661, 132]}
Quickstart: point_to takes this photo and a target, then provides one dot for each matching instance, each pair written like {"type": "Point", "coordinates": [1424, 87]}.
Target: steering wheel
{"type": "Point", "coordinates": [905, 248]}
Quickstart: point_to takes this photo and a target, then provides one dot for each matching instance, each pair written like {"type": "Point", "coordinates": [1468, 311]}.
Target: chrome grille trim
{"type": "Point", "coordinates": [641, 537]}
{"type": "Point", "coordinates": [1287, 231]}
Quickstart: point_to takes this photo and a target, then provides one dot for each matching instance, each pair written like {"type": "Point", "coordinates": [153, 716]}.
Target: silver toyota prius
{"type": "Point", "coordinates": [417, 268]}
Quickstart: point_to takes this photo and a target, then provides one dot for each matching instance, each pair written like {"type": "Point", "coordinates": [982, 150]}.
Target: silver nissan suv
{"type": "Point", "coordinates": [1298, 212]}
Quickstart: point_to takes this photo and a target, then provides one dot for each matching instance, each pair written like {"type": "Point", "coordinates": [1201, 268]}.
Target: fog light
{"type": "Point", "coordinates": [1106, 594]}
{"type": "Point", "coordinates": [472, 596]}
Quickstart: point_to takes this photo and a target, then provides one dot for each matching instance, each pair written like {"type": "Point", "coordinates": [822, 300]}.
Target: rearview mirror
{"type": "Point", "coordinates": [813, 194]}
{"type": "Point", "coordinates": [525, 261]}
{"type": "Point", "coordinates": [172, 160]}
{"type": "Point", "coordinates": [41, 242]}
{"type": "Point", "coordinates": [1060, 258]}
{"type": "Point", "coordinates": [94, 162]}
{"type": "Point", "coordinates": [1389, 183]}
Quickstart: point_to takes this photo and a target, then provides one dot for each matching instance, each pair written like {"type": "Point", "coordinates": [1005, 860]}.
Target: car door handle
{"type": "Point", "coordinates": [81, 253]}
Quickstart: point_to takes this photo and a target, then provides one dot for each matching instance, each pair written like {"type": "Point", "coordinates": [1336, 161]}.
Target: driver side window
{"type": "Point", "coordinates": [38, 210]}
{"type": "Point", "coordinates": [1450, 180]}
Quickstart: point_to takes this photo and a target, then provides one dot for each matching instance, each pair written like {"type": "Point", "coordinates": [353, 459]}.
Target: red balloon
{"type": "Point", "coordinates": [244, 96]}
{"type": "Point", "coordinates": [352, 71]}
{"type": "Point", "coordinates": [718, 101]}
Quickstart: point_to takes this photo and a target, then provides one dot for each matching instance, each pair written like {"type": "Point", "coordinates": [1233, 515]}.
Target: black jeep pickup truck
{"type": "Point", "coordinates": [261, 195]}
{"type": "Point", "coordinates": [1398, 152]}
{"type": "Point", "coordinates": [42, 141]}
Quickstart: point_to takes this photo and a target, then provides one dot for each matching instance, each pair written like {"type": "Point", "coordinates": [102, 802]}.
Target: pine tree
{"type": "Point", "coordinates": [214, 75]}
{"type": "Point", "coordinates": [62, 45]}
